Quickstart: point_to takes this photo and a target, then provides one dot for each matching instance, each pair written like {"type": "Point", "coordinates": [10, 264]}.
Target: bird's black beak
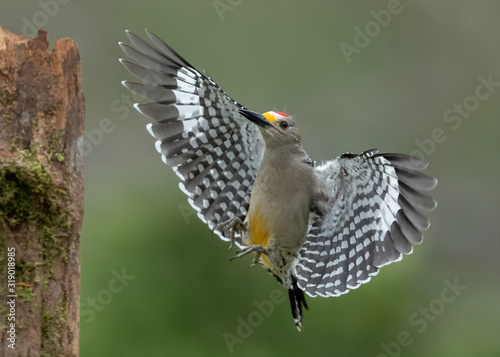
{"type": "Point", "coordinates": [256, 118]}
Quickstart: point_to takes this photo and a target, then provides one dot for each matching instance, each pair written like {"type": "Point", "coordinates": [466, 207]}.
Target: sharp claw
{"type": "Point", "coordinates": [258, 249]}
{"type": "Point", "coordinates": [235, 225]}
{"type": "Point", "coordinates": [256, 258]}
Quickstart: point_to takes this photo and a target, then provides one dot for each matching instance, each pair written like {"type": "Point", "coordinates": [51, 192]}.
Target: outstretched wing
{"type": "Point", "coordinates": [369, 220]}
{"type": "Point", "coordinates": [213, 149]}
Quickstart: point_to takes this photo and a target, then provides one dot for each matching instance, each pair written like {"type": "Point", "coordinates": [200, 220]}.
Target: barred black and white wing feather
{"type": "Point", "coordinates": [214, 150]}
{"type": "Point", "coordinates": [370, 218]}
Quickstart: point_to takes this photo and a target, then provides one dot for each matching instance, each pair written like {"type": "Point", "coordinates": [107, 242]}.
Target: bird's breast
{"type": "Point", "coordinates": [259, 231]}
{"type": "Point", "coordinates": [279, 207]}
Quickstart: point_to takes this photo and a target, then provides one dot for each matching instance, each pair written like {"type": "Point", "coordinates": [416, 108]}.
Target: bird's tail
{"type": "Point", "coordinates": [297, 301]}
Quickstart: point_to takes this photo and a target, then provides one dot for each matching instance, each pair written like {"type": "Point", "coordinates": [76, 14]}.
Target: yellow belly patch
{"type": "Point", "coordinates": [259, 233]}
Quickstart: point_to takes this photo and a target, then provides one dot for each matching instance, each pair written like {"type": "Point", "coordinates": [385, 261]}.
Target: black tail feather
{"type": "Point", "coordinates": [297, 301]}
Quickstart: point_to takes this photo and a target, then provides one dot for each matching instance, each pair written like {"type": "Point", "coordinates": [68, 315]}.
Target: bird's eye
{"type": "Point", "coordinates": [283, 125]}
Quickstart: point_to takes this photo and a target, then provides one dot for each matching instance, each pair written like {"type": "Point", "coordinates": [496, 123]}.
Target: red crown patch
{"type": "Point", "coordinates": [282, 114]}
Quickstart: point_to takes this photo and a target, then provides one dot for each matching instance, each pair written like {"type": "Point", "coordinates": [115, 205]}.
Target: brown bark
{"type": "Point", "coordinates": [41, 194]}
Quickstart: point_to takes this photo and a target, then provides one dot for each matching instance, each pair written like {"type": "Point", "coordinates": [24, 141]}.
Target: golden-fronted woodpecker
{"type": "Point", "coordinates": [319, 229]}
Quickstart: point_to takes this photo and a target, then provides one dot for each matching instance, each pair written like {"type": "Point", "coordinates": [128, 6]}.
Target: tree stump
{"type": "Point", "coordinates": [41, 195]}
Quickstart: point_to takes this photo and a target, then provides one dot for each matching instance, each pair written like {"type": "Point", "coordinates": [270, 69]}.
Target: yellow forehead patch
{"type": "Point", "coordinates": [269, 117]}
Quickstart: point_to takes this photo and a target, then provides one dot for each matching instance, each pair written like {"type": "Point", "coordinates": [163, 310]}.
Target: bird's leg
{"type": "Point", "coordinates": [257, 248]}
{"type": "Point", "coordinates": [236, 226]}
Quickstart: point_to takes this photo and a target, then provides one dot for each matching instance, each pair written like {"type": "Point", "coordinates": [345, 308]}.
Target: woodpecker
{"type": "Point", "coordinates": [319, 229]}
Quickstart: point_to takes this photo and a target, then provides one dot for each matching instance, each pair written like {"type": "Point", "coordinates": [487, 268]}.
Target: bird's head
{"type": "Point", "coordinates": [278, 129]}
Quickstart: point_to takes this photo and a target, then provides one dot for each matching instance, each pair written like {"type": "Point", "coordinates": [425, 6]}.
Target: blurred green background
{"type": "Point", "coordinates": [182, 295]}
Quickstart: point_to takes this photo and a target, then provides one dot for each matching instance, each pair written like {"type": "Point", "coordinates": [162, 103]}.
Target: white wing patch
{"type": "Point", "coordinates": [367, 219]}
{"type": "Point", "coordinates": [214, 151]}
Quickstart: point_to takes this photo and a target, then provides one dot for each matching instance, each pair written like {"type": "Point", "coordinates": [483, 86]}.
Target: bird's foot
{"type": "Point", "coordinates": [236, 226]}
{"type": "Point", "coordinates": [253, 248]}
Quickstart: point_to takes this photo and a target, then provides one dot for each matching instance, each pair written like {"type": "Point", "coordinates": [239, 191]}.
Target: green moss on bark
{"type": "Point", "coordinates": [28, 196]}
{"type": "Point", "coordinates": [6, 98]}
{"type": "Point", "coordinates": [52, 246]}
{"type": "Point", "coordinates": [25, 273]}
{"type": "Point", "coordinates": [52, 323]}
{"type": "Point", "coordinates": [26, 193]}
{"type": "Point", "coordinates": [56, 148]}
